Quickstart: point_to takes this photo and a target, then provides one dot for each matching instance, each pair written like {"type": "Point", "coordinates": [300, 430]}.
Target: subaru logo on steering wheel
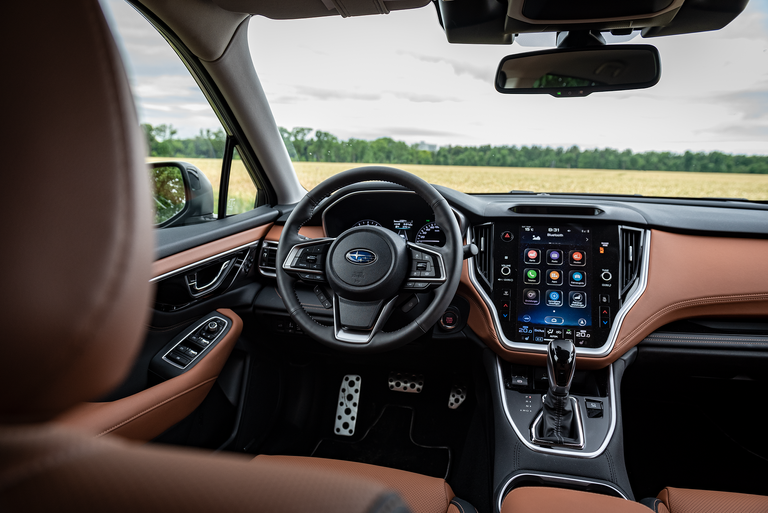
{"type": "Point", "coordinates": [361, 256]}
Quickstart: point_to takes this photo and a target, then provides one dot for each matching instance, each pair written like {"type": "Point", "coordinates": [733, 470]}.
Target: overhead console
{"type": "Point", "coordinates": [547, 278]}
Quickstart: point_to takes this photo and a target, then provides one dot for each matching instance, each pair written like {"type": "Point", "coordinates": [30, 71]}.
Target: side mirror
{"type": "Point", "coordinates": [183, 194]}
{"type": "Point", "coordinates": [570, 72]}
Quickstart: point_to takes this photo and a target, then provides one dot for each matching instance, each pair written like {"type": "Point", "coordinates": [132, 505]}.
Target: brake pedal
{"type": "Point", "coordinates": [403, 382]}
{"type": "Point", "coordinates": [458, 395]}
{"type": "Point", "coordinates": [346, 409]}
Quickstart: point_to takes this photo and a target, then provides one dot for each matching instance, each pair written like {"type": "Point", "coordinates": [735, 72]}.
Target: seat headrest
{"type": "Point", "coordinates": [77, 226]}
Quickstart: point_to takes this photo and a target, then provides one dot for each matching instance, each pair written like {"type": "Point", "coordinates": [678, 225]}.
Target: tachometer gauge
{"type": "Point", "coordinates": [431, 234]}
{"type": "Point", "coordinates": [366, 222]}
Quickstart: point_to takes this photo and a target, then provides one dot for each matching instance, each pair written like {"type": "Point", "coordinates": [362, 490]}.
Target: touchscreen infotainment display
{"type": "Point", "coordinates": [555, 283]}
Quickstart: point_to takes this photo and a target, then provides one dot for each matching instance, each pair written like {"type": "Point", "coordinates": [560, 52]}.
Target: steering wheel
{"type": "Point", "coordinates": [369, 268]}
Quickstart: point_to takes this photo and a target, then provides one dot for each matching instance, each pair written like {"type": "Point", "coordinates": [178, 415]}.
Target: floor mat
{"type": "Point", "coordinates": [389, 443]}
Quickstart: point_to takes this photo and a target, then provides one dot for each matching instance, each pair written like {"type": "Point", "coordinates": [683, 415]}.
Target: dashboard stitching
{"type": "Point", "coordinates": [690, 302]}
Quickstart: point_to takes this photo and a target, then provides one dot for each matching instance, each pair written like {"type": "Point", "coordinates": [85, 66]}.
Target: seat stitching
{"type": "Point", "coordinates": [107, 431]}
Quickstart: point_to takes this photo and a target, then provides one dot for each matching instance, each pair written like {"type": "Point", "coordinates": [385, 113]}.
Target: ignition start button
{"type": "Point", "coordinates": [449, 320]}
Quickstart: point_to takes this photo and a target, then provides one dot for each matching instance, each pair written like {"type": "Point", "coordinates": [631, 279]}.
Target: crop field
{"type": "Point", "coordinates": [501, 179]}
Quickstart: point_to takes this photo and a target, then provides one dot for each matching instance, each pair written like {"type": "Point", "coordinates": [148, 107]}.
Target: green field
{"type": "Point", "coordinates": [500, 179]}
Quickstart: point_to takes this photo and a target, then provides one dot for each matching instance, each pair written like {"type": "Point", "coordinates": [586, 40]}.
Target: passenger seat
{"type": "Point", "coordinates": [683, 500]}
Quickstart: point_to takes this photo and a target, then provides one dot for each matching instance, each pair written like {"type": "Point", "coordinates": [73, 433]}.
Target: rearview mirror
{"type": "Point", "coordinates": [570, 72]}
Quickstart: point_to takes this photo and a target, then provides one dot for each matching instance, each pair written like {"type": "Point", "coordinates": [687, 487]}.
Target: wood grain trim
{"type": "Point", "coordinates": [145, 415]}
{"type": "Point", "coordinates": [313, 232]}
{"type": "Point", "coordinates": [688, 276]}
{"type": "Point", "coordinates": [190, 256]}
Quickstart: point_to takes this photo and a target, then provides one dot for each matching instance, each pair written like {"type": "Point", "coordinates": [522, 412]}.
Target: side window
{"type": "Point", "coordinates": [190, 154]}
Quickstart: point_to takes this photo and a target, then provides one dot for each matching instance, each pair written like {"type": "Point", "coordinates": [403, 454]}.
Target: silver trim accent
{"type": "Point", "coordinates": [637, 290]}
{"type": "Point", "coordinates": [360, 337]}
{"type": "Point", "coordinates": [196, 291]}
{"type": "Point", "coordinates": [556, 479]}
{"type": "Point", "coordinates": [203, 261]}
{"type": "Point", "coordinates": [293, 254]}
{"type": "Point", "coordinates": [263, 269]}
{"type": "Point", "coordinates": [205, 350]}
{"type": "Point", "coordinates": [560, 452]}
{"type": "Point", "coordinates": [580, 440]}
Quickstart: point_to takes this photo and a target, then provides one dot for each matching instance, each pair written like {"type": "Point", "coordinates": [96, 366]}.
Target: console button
{"type": "Point", "coordinates": [554, 277]}
{"type": "Point", "coordinates": [506, 270]}
{"type": "Point", "coordinates": [504, 308]}
{"type": "Point", "coordinates": [606, 276]}
{"type": "Point", "coordinates": [506, 293]}
{"type": "Point", "coordinates": [554, 257]}
{"type": "Point", "coordinates": [532, 256]}
{"type": "Point", "coordinates": [550, 319]}
{"type": "Point", "coordinates": [605, 317]}
{"type": "Point", "coordinates": [577, 278]}
{"type": "Point", "coordinates": [531, 296]}
{"type": "Point", "coordinates": [539, 334]}
{"type": "Point", "coordinates": [568, 334]}
{"type": "Point", "coordinates": [531, 276]}
{"type": "Point", "coordinates": [605, 299]}
{"type": "Point", "coordinates": [178, 359]}
{"type": "Point", "coordinates": [507, 236]}
{"type": "Point", "coordinates": [578, 257]}
{"type": "Point", "coordinates": [582, 337]}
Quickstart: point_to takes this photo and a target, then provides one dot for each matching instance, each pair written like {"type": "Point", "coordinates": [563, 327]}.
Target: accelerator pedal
{"type": "Point", "coordinates": [346, 408]}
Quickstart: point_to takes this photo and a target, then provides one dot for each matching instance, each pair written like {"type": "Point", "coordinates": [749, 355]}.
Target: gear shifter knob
{"type": "Point", "coordinates": [561, 364]}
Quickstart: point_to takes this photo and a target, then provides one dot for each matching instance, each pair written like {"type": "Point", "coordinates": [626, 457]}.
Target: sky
{"type": "Point", "coordinates": [397, 76]}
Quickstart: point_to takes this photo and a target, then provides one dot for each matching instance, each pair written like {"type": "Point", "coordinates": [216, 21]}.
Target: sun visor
{"type": "Point", "coordinates": [295, 9]}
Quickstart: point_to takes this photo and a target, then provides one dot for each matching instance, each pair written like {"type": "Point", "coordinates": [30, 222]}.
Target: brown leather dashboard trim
{"type": "Point", "coordinates": [145, 415]}
{"type": "Point", "coordinates": [688, 276]}
{"type": "Point", "coordinates": [313, 232]}
{"type": "Point", "coordinates": [196, 254]}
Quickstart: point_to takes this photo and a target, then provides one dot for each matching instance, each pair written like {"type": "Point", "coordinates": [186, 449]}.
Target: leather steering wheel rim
{"type": "Point", "coordinates": [451, 252]}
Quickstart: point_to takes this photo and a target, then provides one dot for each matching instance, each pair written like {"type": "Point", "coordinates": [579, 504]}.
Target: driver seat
{"type": "Point", "coordinates": [76, 298]}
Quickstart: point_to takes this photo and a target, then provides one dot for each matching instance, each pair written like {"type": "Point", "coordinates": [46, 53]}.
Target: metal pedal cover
{"type": "Point", "coordinates": [458, 395]}
{"type": "Point", "coordinates": [346, 408]}
{"type": "Point", "coordinates": [403, 382]}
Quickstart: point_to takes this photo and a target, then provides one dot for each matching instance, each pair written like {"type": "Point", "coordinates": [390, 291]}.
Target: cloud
{"type": "Point", "coordinates": [751, 104]}
{"type": "Point", "coordinates": [319, 93]}
{"type": "Point", "coordinates": [408, 131]}
{"type": "Point", "coordinates": [742, 132]}
{"type": "Point", "coordinates": [477, 71]}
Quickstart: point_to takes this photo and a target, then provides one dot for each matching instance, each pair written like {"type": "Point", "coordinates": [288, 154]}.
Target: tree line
{"type": "Point", "coordinates": [308, 145]}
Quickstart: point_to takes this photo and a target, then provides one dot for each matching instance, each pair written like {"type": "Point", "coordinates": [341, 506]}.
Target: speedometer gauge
{"type": "Point", "coordinates": [431, 234]}
{"type": "Point", "coordinates": [366, 222]}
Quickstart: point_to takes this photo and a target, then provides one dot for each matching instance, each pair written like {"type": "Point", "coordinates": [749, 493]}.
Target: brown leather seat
{"type": "Point", "coordinates": [77, 251]}
{"type": "Point", "coordinates": [76, 297]}
{"type": "Point", "coordinates": [683, 500]}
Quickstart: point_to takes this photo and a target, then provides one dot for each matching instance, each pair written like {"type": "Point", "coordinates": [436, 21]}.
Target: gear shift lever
{"type": "Point", "coordinates": [558, 424]}
{"type": "Point", "coordinates": [561, 364]}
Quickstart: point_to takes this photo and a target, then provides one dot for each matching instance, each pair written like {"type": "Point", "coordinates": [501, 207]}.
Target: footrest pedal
{"type": "Point", "coordinates": [458, 396]}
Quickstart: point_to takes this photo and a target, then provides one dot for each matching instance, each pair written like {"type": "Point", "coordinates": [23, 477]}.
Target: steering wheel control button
{"type": "Point", "coordinates": [531, 276]}
{"type": "Point", "coordinates": [532, 256]}
{"type": "Point", "coordinates": [507, 236]}
{"type": "Point", "coordinates": [347, 405]}
{"type": "Point", "coordinates": [531, 296]}
{"type": "Point", "coordinates": [410, 304]}
{"type": "Point", "coordinates": [554, 277]}
{"type": "Point", "coordinates": [578, 257]}
{"type": "Point", "coordinates": [322, 297]}
{"type": "Point", "coordinates": [577, 299]}
{"type": "Point", "coordinates": [577, 279]}
{"type": "Point", "coordinates": [605, 317]}
{"type": "Point", "coordinates": [606, 276]}
{"type": "Point", "coordinates": [554, 257]}
{"type": "Point", "coordinates": [403, 382]}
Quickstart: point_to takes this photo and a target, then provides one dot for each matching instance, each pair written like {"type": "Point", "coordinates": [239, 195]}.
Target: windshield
{"type": "Point", "coordinates": [391, 90]}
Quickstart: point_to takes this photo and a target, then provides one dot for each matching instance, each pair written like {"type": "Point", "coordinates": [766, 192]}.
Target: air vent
{"type": "Point", "coordinates": [557, 210]}
{"type": "Point", "coordinates": [631, 256]}
{"type": "Point", "coordinates": [267, 258]}
{"type": "Point", "coordinates": [482, 237]}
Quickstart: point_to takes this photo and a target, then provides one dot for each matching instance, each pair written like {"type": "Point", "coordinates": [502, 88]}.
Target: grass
{"type": "Point", "coordinates": [504, 179]}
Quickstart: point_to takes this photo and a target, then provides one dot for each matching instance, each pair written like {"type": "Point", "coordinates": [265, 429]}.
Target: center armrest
{"type": "Point", "coordinates": [537, 499]}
